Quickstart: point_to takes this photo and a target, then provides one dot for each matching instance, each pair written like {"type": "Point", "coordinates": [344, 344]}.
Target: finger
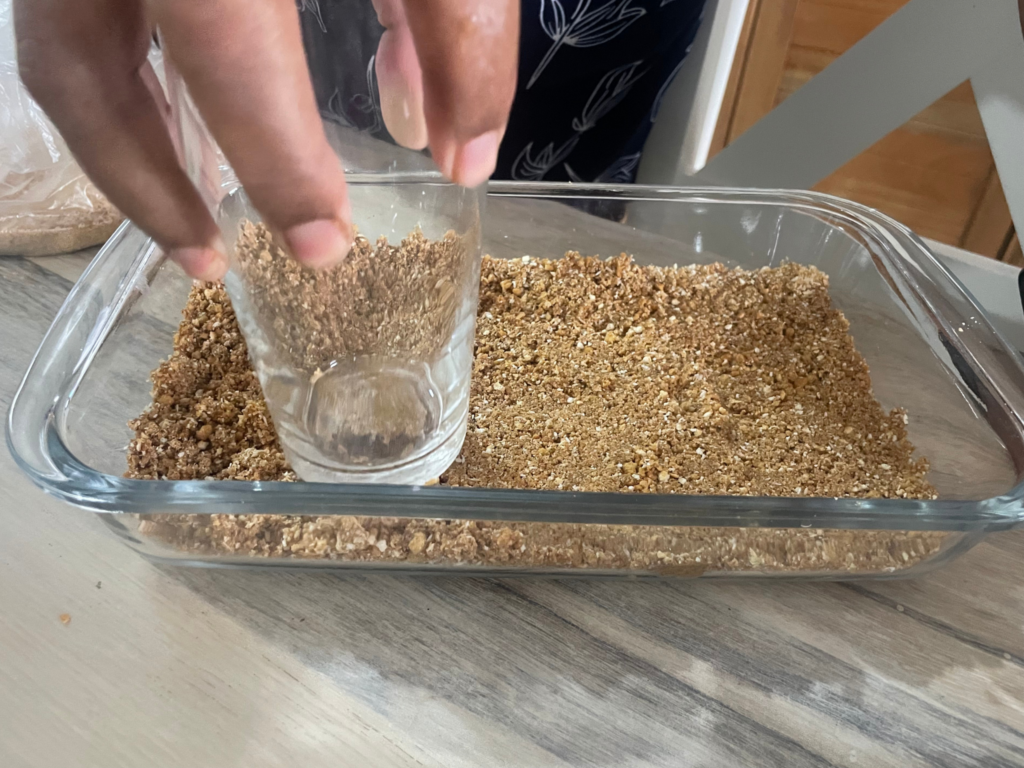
{"type": "Point", "coordinates": [468, 52]}
{"type": "Point", "coordinates": [399, 77]}
{"type": "Point", "coordinates": [245, 67]}
{"type": "Point", "coordinates": [82, 62]}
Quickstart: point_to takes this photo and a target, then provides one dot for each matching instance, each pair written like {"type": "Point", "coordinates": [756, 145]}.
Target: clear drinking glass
{"type": "Point", "coordinates": [366, 366]}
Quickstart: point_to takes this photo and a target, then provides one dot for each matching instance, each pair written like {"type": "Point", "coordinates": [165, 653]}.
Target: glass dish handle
{"type": "Point", "coordinates": [971, 344]}
{"type": "Point", "coordinates": [81, 324]}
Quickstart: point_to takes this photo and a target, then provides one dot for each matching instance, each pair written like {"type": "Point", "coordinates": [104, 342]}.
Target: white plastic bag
{"type": "Point", "coordinates": [47, 205]}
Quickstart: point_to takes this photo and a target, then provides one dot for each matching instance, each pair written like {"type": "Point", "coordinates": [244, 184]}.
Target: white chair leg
{"type": "Point", "coordinates": [681, 137]}
{"type": "Point", "coordinates": [999, 90]}
{"type": "Point", "coordinates": [918, 55]}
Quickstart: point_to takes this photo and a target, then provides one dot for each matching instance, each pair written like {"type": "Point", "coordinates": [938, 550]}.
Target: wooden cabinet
{"type": "Point", "coordinates": [935, 173]}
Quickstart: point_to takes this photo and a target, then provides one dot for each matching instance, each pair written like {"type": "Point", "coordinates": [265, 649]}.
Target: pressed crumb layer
{"type": "Point", "coordinates": [589, 375]}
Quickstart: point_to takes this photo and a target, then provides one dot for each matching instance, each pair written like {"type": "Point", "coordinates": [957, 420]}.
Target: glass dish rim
{"type": "Point", "coordinates": [68, 478]}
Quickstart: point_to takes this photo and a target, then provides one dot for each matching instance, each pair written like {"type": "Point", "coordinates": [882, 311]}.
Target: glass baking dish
{"type": "Point", "coordinates": [929, 347]}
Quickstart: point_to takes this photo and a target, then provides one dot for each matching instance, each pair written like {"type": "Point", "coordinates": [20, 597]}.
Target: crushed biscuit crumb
{"type": "Point", "coordinates": [382, 298]}
{"type": "Point", "coordinates": [589, 375]}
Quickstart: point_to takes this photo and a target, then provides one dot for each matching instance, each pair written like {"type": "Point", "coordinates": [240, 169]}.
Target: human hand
{"type": "Point", "coordinates": [446, 71]}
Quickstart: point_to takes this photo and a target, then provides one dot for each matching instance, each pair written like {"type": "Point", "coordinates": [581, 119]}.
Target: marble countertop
{"type": "Point", "coordinates": [166, 667]}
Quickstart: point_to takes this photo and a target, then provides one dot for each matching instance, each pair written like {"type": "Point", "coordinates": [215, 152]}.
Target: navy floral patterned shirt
{"type": "Point", "coordinates": [592, 74]}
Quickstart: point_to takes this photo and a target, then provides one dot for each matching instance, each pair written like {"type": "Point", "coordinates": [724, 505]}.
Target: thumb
{"type": "Point", "coordinates": [463, 77]}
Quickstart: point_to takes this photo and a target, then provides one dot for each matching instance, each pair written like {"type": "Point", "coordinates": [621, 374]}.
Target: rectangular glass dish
{"type": "Point", "coordinates": [929, 347]}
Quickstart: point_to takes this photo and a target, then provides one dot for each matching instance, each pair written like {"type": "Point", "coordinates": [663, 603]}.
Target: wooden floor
{"type": "Point", "coordinates": [935, 174]}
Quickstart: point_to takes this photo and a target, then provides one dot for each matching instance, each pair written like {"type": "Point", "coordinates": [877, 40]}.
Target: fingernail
{"type": "Point", "coordinates": [403, 115]}
{"type": "Point", "coordinates": [207, 264]}
{"type": "Point", "coordinates": [319, 244]}
{"type": "Point", "coordinates": [475, 160]}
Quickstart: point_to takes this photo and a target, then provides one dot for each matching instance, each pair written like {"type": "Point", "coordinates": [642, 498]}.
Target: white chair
{"type": "Point", "coordinates": [681, 137]}
{"type": "Point", "coordinates": [919, 54]}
